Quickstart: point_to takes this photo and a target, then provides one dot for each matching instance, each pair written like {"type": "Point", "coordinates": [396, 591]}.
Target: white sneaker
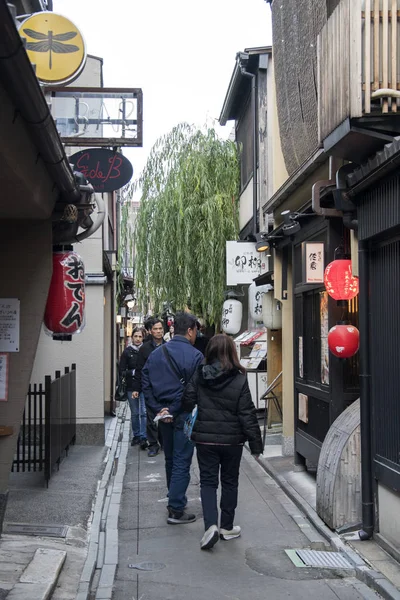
{"type": "Point", "coordinates": [230, 534]}
{"type": "Point", "coordinates": [210, 538]}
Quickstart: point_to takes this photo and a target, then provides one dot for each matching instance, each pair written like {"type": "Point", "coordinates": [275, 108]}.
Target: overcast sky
{"type": "Point", "coordinates": [180, 52]}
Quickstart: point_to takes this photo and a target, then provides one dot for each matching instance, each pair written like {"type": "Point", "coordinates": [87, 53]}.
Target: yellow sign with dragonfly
{"type": "Point", "coordinates": [55, 45]}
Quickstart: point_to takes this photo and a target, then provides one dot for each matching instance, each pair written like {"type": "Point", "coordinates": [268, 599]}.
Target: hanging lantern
{"type": "Point", "coordinates": [271, 311]}
{"type": "Point", "coordinates": [65, 306]}
{"type": "Point", "coordinates": [232, 311]}
{"type": "Point", "coordinates": [256, 293]}
{"type": "Point", "coordinates": [343, 340]}
{"type": "Point", "coordinates": [339, 280]}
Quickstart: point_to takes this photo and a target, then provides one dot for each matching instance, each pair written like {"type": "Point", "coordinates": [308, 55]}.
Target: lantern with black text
{"type": "Point", "coordinates": [339, 280]}
{"type": "Point", "coordinates": [65, 308]}
{"type": "Point", "coordinates": [343, 340]}
{"type": "Point", "coordinates": [232, 312]}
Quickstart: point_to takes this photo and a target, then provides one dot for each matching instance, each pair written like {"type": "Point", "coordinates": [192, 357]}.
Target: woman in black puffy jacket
{"type": "Point", "coordinates": [226, 419]}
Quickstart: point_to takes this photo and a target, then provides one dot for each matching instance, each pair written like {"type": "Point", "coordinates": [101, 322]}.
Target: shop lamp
{"type": "Point", "coordinates": [339, 280]}
{"type": "Point", "coordinates": [130, 303]}
{"type": "Point", "coordinates": [262, 243]}
{"type": "Point", "coordinates": [119, 319]}
{"type": "Point", "coordinates": [65, 307]}
{"type": "Point", "coordinates": [343, 340]}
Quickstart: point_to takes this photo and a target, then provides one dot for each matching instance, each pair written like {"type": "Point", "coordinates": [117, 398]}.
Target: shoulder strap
{"type": "Point", "coordinates": [172, 364]}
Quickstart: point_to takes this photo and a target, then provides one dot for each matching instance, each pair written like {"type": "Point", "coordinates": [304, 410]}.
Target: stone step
{"type": "Point", "coordinates": [40, 576]}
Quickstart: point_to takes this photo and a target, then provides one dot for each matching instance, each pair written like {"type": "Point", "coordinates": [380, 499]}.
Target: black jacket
{"type": "Point", "coordinates": [145, 350]}
{"type": "Point", "coordinates": [226, 413]}
{"type": "Point", "coordinates": [127, 364]}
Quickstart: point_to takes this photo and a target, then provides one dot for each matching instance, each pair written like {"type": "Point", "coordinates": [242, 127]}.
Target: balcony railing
{"type": "Point", "coordinates": [358, 63]}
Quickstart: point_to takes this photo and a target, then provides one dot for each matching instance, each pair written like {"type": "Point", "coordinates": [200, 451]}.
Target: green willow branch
{"type": "Point", "coordinates": [188, 209]}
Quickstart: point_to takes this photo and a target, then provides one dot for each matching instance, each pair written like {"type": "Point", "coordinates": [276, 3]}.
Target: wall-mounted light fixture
{"type": "Point", "coordinates": [291, 225]}
{"type": "Point", "coordinates": [262, 244]}
{"type": "Point", "coordinates": [118, 319]}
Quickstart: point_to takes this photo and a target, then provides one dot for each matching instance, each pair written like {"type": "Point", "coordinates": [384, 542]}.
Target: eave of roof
{"type": "Point", "coordinates": [238, 84]}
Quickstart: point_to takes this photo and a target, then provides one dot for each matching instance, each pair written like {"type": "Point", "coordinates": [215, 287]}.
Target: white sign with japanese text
{"type": "Point", "coordinates": [3, 377]}
{"type": "Point", "coordinates": [9, 325]}
{"type": "Point", "coordinates": [244, 263]}
{"type": "Point", "coordinates": [314, 262]}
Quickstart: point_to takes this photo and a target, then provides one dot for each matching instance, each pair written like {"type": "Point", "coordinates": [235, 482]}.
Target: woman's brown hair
{"type": "Point", "coordinates": [222, 348]}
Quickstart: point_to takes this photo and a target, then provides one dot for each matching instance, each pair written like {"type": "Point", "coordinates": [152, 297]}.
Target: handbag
{"type": "Point", "coordinates": [121, 393]}
{"type": "Point", "coordinates": [189, 423]}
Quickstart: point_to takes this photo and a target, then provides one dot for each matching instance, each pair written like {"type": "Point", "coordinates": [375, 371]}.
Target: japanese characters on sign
{"type": "Point", "coordinates": [313, 262]}
{"type": "Point", "coordinates": [66, 301]}
{"type": "Point", "coordinates": [4, 377]}
{"type": "Point", "coordinates": [9, 325]}
{"type": "Point", "coordinates": [244, 263]}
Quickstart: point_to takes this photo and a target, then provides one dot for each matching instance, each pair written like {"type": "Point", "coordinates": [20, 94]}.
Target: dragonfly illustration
{"type": "Point", "coordinates": [51, 42]}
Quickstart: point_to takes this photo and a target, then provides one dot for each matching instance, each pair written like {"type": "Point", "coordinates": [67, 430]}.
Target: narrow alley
{"type": "Point", "coordinates": [157, 560]}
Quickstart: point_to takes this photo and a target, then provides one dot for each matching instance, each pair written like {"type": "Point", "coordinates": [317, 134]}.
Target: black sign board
{"type": "Point", "coordinates": [106, 170]}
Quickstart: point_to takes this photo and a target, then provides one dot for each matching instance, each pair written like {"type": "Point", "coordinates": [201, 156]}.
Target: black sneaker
{"type": "Point", "coordinates": [144, 444]}
{"type": "Point", "coordinates": [179, 518]}
{"type": "Point", "coordinates": [153, 451]}
{"type": "Point", "coordinates": [135, 441]}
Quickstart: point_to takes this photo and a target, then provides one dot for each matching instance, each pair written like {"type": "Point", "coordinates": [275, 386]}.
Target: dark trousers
{"type": "Point", "coordinates": [153, 433]}
{"type": "Point", "coordinates": [211, 459]}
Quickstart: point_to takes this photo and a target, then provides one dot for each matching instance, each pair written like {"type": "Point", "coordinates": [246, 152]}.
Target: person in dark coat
{"type": "Point", "coordinates": [226, 419]}
{"type": "Point", "coordinates": [127, 366]}
{"type": "Point", "coordinates": [165, 375]}
{"type": "Point", "coordinates": [154, 441]}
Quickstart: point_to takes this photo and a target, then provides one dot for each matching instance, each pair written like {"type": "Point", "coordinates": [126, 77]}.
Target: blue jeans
{"type": "Point", "coordinates": [138, 415]}
{"type": "Point", "coordinates": [178, 451]}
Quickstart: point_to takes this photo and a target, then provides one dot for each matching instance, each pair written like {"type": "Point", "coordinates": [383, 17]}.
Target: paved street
{"type": "Point", "coordinates": [253, 567]}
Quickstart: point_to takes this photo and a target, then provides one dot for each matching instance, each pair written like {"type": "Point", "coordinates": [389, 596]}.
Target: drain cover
{"type": "Point", "coordinates": [147, 566]}
{"type": "Point", "coordinates": [39, 530]}
{"type": "Point", "coordinates": [319, 558]}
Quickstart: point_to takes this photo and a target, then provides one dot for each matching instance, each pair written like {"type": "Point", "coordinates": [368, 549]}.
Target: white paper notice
{"type": "Point", "coordinates": [9, 325]}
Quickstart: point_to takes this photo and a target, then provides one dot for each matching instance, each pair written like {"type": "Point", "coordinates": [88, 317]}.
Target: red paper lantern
{"type": "Point", "coordinates": [65, 308]}
{"type": "Point", "coordinates": [339, 280]}
{"type": "Point", "coordinates": [343, 340]}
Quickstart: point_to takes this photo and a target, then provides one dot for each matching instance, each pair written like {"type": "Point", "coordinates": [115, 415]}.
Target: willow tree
{"type": "Point", "coordinates": [188, 209]}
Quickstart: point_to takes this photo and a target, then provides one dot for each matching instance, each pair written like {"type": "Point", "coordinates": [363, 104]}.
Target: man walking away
{"type": "Point", "coordinates": [165, 375]}
{"type": "Point", "coordinates": [156, 339]}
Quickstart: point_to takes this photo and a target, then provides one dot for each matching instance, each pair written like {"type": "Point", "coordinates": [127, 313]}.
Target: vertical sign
{"type": "Point", "coordinates": [301, 370]}
{"type": "Point", "coordinates": [324, 337]}
{"type": "Point", "coordinates": [9, 325]}
{"type": "Point", "coordinates": [313, 262]}
{"type": "Point", "coordinates": [3, 377]}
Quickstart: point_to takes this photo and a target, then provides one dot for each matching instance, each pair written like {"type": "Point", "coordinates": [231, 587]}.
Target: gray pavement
{"type": "Point", "coordinates": [253, 567]}
{"type": "Point", "coordinates": [374, 565]}
{"type": "Point", "coordinates": [33, 567]}
{"type": "Point", "coordinates": [110, 503]}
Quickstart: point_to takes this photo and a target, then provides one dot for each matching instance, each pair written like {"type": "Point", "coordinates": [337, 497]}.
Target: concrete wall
{"type": "Point", "coordinates": [25, 273]}
{"type": "Point", "coordinates": [246, 205]}
{"type": "Point", "coordinates": [389, 515]}
{"type": "Point", "coordinates": [86, 350]}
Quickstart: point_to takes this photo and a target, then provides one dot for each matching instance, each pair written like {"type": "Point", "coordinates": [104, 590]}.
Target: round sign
{"type": "Point", "coordinates": [55, 45]}
{"type": "Point", "coordinates": [106, 170]}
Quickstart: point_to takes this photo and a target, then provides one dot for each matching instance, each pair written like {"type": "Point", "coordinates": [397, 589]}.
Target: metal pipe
{"type": "Point", "coordinates": [23, 88]}
{"type": "Point", "coordinates": [254, 122]}
{"type": "Point", "coordinates": [365, 397]}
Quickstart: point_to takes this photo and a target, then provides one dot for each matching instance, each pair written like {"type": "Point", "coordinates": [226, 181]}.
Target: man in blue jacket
{"type": "Point", "coordinates": [164, 377]}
